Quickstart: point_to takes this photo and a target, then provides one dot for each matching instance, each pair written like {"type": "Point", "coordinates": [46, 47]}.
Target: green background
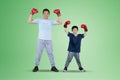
{"type": "Point", "coordinates": [100, 53]}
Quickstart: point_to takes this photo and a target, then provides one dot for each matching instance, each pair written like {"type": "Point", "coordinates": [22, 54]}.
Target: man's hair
{"type": "Point", "coordinates": [74, 27]}
{"type": "Point", "coordinates": [46, 10]}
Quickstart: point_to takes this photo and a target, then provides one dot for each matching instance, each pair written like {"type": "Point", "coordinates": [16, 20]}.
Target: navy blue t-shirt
{"type": "Point", "coordinates": [74, 42]}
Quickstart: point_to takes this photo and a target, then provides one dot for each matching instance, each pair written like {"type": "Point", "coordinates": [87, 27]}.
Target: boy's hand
{"type": "Point", "coordinates": [84, 27]}
{"type": "Point", "coordinates": [66, 23]}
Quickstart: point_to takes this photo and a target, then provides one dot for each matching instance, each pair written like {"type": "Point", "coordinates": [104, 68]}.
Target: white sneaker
{"type": "Point", "coordinates": [83, 70]}
{"type": "Point", "coordinates": [65, 69]}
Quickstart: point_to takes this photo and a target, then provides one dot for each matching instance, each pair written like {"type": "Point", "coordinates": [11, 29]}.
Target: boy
{"type": "Point", "coordinates": [74, 45]}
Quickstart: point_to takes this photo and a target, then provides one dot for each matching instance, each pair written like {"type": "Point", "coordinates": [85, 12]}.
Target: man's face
{"type": "Point", "coordinates": [46, 14]}
{"type": "Point", "coordinates": [75, 31]}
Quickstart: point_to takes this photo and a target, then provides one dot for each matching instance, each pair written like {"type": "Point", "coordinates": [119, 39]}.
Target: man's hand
{"type": "Point", "coordinates": [33, 11]}
{"type": "Point", "coordinates": [57, 11]}
{"type": "Point", "coordinates": [59, 21]}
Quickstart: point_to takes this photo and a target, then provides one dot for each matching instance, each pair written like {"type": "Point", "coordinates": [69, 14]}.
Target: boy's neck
{"type": "Point", "coordinates": [75, 34]}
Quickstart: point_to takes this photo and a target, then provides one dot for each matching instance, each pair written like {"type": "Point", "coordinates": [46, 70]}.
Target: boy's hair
{"type": "Point", "coordinates": [46, 10]}
{"type": "Point", "coordinates": [74, 27]}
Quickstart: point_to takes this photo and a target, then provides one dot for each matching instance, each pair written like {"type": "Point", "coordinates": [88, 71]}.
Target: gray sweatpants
{"type": "Point", "coordinates": [40, 47]}
{"type": "Point", "coordinates": [69, 58]}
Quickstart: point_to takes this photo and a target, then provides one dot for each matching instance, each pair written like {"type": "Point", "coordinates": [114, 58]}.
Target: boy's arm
{"type": "Point", "coordinates": [84, 26]}
{"type": "Point", "coordinates": [66, 30]}
{"type": "Point", "coordinates": [85, 33]}
{"type": "Point", "coordinates": [66, 25]}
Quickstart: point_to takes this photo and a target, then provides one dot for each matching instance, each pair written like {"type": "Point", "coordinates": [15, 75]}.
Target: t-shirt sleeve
{"type": "Point", "coordinates": [36, 21]}
{"type": "Point", "coordinates": [69, 34]}
{"type": "Point", "coordinates": [82, 35]}
{"type": "Point", "coordinates": [54, 22]}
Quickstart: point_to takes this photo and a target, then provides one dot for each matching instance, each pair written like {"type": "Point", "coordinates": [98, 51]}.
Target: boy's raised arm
{"type": "Point", "coordinates": [66, 30]}
{"type": "Point", "coordinates": [85, 33]}
{"type": "Point", "coordinates": [65, 26]}
{"type": "Point", "coordinates": [85, 29]}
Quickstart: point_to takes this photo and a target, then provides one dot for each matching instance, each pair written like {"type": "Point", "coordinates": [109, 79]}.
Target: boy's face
{"type": "Point", "coordinates": [75, 31]}
{"type": "Point", "coordinates": [46, 14]}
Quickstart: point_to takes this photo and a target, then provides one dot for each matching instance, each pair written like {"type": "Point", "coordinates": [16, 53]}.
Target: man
{"type": "Point", "coordinates": [45, 36]}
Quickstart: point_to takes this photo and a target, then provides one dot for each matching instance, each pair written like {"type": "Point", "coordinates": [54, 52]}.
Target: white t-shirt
{"type": "Point", "coordinates": [45, 27]}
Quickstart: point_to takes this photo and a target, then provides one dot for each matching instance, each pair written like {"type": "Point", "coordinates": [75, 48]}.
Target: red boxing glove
{"type": "Point", "coordinates": [57, 11]}
{"type": "Point", "coordinates": [84, 27]}
{"type": "Point", "coordinates": [34, 11]}
{"type": "Point", "coordinates": [66, 23]}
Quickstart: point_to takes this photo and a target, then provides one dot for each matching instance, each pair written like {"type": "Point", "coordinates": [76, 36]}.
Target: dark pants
{"type": "Point", "coordinates": [70, 56]}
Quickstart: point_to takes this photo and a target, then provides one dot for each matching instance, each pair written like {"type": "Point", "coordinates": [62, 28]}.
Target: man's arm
{"type": "Point", "coordinates": [57, 12]}
{"type": "Point", "coordinates": [30, 20]}
{"type": "Point", "coordinates": [33, 11]}
{"type": "Point", "coordinates": [59, 21]}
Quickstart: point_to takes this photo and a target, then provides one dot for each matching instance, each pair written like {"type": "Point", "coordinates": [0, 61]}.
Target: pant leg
{"type": "Point", "coordinates": [76, 55]}
{"type": "Point", "coordinates": [40, 47]}
{"type": "Point", "coordinates": [69, 58]}
{"type": "Point", "coordinates": [48, 46]}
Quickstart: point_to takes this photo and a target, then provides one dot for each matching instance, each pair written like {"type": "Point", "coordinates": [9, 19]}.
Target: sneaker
{"type": "Point", "coordinates": [35, 69]}
{"type": "Point", "coordinates": [65, 69]}
{"type": "Point", "coordinates": [81, 69]}
{"type": "Point", "coordinates": [54, 69]}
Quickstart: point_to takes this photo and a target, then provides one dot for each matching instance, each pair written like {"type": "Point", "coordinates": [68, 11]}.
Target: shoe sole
{"type": "Point", "coordinates": [64, 70]}
{"type": "Point", "coordinates": [82, 70]}
{"type": "Point", "coordinates": [34, 71]}
{"type": "Point", "coordinates": [54, 71]}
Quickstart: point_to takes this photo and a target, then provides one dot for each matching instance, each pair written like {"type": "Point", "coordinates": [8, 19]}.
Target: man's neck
{"type": "Point", "coordinates": [45, 18]}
